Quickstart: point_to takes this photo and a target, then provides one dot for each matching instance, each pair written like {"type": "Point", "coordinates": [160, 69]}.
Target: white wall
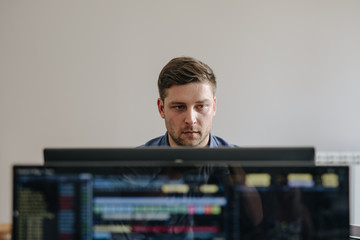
{"type": "Point", "coordinates": [83, 73]}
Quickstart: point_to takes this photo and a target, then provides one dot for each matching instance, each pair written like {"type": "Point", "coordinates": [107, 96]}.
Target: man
{"type": "Point", "coordinates": [187, 103]}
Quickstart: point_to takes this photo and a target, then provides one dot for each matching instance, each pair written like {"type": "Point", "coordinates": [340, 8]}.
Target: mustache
{"type": "Point", "coordinates": [191, 130]}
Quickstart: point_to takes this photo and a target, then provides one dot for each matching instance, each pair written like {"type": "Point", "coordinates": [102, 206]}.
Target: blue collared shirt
{"type": "Point", "coordinates": [163, 141]}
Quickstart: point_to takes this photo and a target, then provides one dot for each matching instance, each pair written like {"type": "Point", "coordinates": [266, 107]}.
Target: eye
{"type": "Point", "coordinates": [201, 106]}
{"type": "Point", "coordinates": [178, 107]}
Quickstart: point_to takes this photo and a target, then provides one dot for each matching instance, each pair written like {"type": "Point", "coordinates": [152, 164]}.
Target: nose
{"type": "Point", "coordinates": [190, 117]}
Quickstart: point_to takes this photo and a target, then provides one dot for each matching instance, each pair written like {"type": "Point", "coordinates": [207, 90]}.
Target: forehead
{"type": "Point", "coordinates": [191, 92]}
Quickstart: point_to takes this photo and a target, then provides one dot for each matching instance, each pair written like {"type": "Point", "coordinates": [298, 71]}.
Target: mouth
{"type": "Point", "coordinates": [190, 133]}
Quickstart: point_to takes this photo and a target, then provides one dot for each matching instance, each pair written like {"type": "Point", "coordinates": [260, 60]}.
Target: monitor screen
{"type": "Point", "coordinates": [199, 201]}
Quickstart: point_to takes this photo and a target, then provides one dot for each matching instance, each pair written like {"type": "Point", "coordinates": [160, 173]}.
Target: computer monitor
{"type": "Point", "coordinates": [202, 200]}
{"type": "Point", "coordinates": [249, 156]}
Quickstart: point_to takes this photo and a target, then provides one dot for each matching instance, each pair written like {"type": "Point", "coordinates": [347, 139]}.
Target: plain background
{"type": "Point", "coordinates": [83, 73]}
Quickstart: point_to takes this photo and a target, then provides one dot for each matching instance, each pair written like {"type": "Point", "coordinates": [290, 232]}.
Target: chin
{"type": "Point", "coordinates": [193, 144]}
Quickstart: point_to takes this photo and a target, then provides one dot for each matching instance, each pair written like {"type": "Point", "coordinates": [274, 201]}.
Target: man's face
{"type": "Point", "coordinates": [188, 111]}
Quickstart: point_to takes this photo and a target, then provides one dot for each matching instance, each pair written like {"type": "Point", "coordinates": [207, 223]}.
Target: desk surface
{"type": "Point", "coordinates": [354, 232]}
{"type": "Point", "coordinates": [5, 231]}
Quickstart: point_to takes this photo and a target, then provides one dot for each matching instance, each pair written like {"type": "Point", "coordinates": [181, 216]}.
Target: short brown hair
{"type": "Point", "coordinates": [184, 70]}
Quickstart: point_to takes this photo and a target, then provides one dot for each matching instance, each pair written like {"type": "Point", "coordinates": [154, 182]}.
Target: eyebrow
{"type": "Point", "coordinates": [200, 101]}
{"type": "Point", "coordinates": [175, 103]}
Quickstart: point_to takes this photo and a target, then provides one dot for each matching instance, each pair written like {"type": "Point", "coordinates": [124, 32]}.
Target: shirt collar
{"type": "Point", "coordinates": [212, 141]}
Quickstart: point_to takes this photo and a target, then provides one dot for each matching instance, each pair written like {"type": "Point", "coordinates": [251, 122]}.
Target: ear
{"type": "Point", "coordinates": [214, 107]}
{"type": "Point", "coordinates": [160, 104]}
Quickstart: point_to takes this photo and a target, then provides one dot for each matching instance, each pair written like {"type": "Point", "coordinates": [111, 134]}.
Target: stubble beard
{"type": "Point", "coordinates": [181, 140]}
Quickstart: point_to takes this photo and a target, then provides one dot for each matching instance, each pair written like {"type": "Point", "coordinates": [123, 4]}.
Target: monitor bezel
{"type": "Point", "coordinates": [165, 156]}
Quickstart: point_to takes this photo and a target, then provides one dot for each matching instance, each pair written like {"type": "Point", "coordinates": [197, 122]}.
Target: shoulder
{"type": "Point", "coordinates": [216, 141]}
{"type": "Point", "coordinates": [161, 141]}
